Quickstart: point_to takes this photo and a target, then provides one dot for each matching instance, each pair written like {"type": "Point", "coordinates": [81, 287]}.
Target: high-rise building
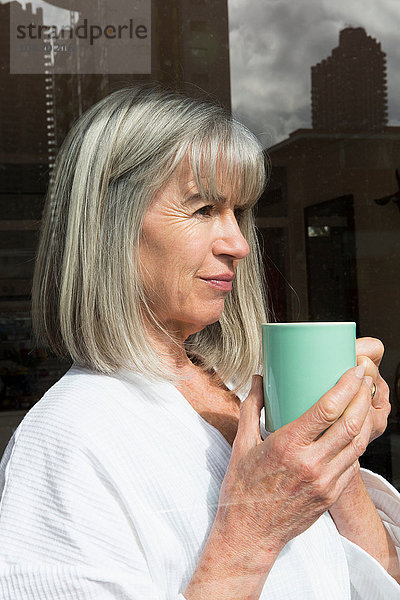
{"type": "Point", "coordinates": [348, 89]}
{"type": "Point", "coordinates": [189, 53]}
{"type": "Point", "coordinates": [193, 48]}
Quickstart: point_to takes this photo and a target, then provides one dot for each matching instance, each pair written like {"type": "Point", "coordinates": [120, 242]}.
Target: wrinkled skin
{"type": "Point", "coordinates": [278, 487]}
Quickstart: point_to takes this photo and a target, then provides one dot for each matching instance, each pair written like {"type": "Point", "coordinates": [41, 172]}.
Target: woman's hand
{"type": "Point", "coordinates": [369, 352]}
{"type": "Point", "coordinates": [354, 513]}
{"type": "Point", "coordinates": [275, 489]}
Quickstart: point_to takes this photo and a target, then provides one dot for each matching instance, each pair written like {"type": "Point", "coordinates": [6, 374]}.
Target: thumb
{"type": "Point", "coordinates": [248, 433]}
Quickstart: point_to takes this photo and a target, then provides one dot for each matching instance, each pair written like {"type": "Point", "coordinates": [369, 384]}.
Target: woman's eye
{"type": "Point", "coordinates": [205, 210]}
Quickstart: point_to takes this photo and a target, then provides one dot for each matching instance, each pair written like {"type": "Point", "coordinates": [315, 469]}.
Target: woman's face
{"type": "Point", "coordinates": [189, 253]}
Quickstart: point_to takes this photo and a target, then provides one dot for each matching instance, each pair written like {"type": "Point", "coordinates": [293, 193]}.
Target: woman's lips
{"type": "Point", "coordinates": [224, 285]}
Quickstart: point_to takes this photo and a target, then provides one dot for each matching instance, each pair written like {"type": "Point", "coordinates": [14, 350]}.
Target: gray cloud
{"type": "Point", "coordinates": [274, 43]}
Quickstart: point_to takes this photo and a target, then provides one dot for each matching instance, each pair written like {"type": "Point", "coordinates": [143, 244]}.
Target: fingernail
{"type": "Point", "coordinates": [369, 381]}
{"type": "Point", "coordinates": [360, 370]}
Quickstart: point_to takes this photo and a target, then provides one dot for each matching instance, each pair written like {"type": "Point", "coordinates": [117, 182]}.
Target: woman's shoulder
{"type": "Point", "coordinates": [81, 390]}
{"type": "Point", "coordinates": [84, 418]}
{"type": "Point", "coordinates": [84, 405]}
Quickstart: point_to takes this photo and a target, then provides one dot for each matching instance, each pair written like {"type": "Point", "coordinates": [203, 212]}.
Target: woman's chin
{"type": "Point", "coordinates": [207, 321]}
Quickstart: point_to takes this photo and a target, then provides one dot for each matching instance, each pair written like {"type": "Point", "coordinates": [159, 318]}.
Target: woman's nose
{"type": "Point", "coordinates": [231, 240]}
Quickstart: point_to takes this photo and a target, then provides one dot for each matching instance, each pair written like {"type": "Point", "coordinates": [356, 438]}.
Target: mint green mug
{"type": "Point", "coordinates": [302, 361]}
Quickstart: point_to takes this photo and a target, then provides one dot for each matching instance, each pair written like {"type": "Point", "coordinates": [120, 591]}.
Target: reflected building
{"type": "Point", "coordinates": [192, 51]}
{"type": "Point", "coordinates": [348, 89]}
{"type": "Point", "coordinates": [332, 207]}
{"type": "Point", "coordinates": [189, 53]}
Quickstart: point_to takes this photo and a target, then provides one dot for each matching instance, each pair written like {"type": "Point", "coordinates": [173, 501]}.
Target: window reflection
{"type": "Point", "coordinates": [328, 222]}
{"type": "Point", "coordinates": [339, 181]}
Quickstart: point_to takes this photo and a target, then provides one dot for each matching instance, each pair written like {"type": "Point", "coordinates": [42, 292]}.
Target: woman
{"type": "Point", "coordinates": [141, 474]}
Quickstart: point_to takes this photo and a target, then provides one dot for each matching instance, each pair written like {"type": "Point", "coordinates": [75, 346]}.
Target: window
{"type": "Point", "coordinates": [320, 95]}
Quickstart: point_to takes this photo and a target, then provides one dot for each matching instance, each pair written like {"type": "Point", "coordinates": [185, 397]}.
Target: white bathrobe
{"type": "Point", "coordinates": [109, 488]}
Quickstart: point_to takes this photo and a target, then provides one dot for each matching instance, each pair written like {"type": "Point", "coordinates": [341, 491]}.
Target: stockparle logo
{"type": "Point", "coordinates": [71, 36]}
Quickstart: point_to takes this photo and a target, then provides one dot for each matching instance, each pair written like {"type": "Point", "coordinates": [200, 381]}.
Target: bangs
{"type": "Point", "coordinates": [230, 158]}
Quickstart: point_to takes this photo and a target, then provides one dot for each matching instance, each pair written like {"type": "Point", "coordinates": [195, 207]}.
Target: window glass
{"type": "Point", "coordinates": [317, 83]}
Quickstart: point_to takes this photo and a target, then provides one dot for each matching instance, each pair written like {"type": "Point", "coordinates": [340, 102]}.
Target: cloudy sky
{"type": "Point", "coordinates": [273, 44]}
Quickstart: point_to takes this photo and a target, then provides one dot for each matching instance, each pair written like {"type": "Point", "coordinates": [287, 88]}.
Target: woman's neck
{"type": "Point", "coordinates": [171, 348]}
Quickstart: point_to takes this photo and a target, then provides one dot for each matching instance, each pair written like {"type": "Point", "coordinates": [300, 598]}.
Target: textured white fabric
{"type": "Point", "coordinates": [110, 486]}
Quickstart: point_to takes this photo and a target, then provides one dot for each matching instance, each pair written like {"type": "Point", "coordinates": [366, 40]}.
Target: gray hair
{"type": "Point", "coordinates": [88, 299]}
